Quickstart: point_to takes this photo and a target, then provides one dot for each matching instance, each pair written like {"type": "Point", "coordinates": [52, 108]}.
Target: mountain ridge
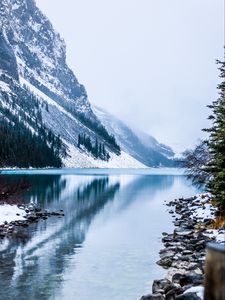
{"type": "Point", "coordinates": [42, 92]}
{"type": "Point", "coordinates": [136, 143]}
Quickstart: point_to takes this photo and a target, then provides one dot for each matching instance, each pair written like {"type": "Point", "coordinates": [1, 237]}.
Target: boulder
{"type": "Point", "coordinates": [159, 285]}
{"type": "Point", "coordinates": [193, 279]}
{"type": "Point", "coordinates": [188, 296]}
{"type": "Point", "coordinates": [153, 297]}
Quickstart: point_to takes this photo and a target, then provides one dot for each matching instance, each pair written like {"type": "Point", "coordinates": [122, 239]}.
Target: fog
{"type": "Point", "coordinates": [149, 62]}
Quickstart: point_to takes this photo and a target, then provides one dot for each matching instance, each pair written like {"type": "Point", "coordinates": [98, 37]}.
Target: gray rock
{"type": "Point", "coordinates": [188, 296]}
{"type": "Point", "coordinates": [165, 262]}
{"type": "Point", "coordinates": [153, 297]}
{"type": "Point", "coordinates": [159, 285]}
{"type": "Point", "coordinates": [193, 279]}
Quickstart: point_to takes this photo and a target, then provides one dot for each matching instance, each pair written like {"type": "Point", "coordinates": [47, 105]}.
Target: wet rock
{"type": "Point", "coordinates": [165, 262]}
{"type": "Point", "coordinates": [184, 252]}
{"type": "Point", "coordinates": [33, 214]}
{"type": "Point", "coordinates": [172, 288]}
{"type": "Point", "coordinates": [193, 279]}
{"type": "Point", "coordinates": [168, 238]}
{"type": "Point", "coordinates": [183, 233]}
{"type": "Point", "coordinates": [164, 233]}
{"type": "Point", "coordinates": [167, 254]}
{"type": "Point", "coordinates": [159, 285]}
{"type": "Point", "coordinates": [188, 296]}
{"type": "Point", "coordinates": [153, 297]}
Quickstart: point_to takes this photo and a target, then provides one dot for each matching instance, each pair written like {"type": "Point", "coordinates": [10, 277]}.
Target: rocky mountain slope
{"type": "Point", "coordinates": [40, 94]}
{"type": "Point", "coordinates": [33, 59]}
{"type": "Point", "coordinates": [136, 143]}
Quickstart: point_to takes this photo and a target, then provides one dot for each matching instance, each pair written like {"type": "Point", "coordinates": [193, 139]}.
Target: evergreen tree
{"type": "Point", "coordinates": [97, 149]}
{"type": "Point", "coordinates": [216, 143]}
{"type": "Point", "coordinates": [79, 141]}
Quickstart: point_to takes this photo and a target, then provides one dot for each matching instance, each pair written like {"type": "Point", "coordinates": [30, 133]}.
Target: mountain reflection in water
{"type": "Point", "coordinates": [36, 264]}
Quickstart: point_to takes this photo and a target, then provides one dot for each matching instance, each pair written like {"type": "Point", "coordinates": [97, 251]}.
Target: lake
{"type": "Point", "coordinates": [105, 247]}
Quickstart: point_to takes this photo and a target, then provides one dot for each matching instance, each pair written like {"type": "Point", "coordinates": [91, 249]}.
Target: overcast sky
{"type": "Point", "coordinates": [149, 62]}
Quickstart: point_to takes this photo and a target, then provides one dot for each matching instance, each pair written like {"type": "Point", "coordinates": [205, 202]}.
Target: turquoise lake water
{"type": "Point", "coordinates": [105, 247]}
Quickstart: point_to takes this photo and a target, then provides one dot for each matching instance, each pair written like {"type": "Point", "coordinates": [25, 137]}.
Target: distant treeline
{"type": "Point", "coordinates": [24, 139]}
{"type": "Point", "coordinates": [97, 149]}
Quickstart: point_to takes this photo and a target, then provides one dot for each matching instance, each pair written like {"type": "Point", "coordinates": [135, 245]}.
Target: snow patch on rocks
{"type": "Point", "coordinates": [9, 213]}
{"type": "Point", "coordinates": [199, 290]}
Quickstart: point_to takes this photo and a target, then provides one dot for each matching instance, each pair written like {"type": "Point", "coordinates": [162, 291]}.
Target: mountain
{"type": "Point", "coordinates": [136, 143]}
{"type": "Point", "coordinates": [41, 98]}
{"type": "Point", "coordinates": [46, 119]}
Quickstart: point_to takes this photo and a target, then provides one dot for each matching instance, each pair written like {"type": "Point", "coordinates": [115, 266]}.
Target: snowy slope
{"type": "Point", "coordinates": [78, 159]}
{"type": "Point", "coordinates": [33, 59]}
{"type": "Point", "coordinates": [33, 68]}
{"type": "Point", "coordinates": [137, 144]}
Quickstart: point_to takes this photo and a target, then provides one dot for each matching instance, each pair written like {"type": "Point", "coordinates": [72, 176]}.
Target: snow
{"type": "Point", "coordinates": [218, 234]}
{"type": "Point", "coordinates": [199, 290]}
{"type": "Point", "coordinates": [5, 87]}
{"type": "Point", "coordinates": [79, 159]}
{"type": "Point", "coordinates": [35, 26]}
{"type": "Point", "coordinates": [201, 207]}
{"type": "Point", "coordinates": [46, 61]}
{"type": "Point", "coordinates": [44, 97]}
{"type": "Point", "coordinates": [127, 137]}
{"type": "Point", "coordinates": [15, 6]}
{"type": "Point", "coordinates": [205, 210]}
{"type": "Point", "coordinates": [9, 213]}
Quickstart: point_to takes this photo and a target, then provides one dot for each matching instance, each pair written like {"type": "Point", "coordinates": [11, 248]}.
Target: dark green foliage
{"type": "Point", "coordinates": [195, 161]}
{"type": "Point", "coordinates": [7, 58]}
{"type": "Point", "coordinates": [21, 148]}
{"type": "Point", "coordinates": [206, 163]}
{"type": "Point", "coordinates": [101, 131]}
{"type": "Point", "coordinates": [216, 143]}
{"type": "Point", "coordinates": [93, 124]}
{"type": "Point", "coordinates": [97, 149]}
{"type": "Point", "coordinates": [24, 139]}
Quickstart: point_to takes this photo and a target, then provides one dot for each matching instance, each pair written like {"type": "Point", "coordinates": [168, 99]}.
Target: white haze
{"type": "Point", "coordinates": [149, 62]}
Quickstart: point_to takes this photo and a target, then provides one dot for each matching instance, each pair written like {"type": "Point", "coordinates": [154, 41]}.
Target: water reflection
{"type": "Point", "coordinates": [150, 185]}
{"type": "Point", "coordinates": [36, 263]}
{"type": "Point", "coordinates": [32, 267]}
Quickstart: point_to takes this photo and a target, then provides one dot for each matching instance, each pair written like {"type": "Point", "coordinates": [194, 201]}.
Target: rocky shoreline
{"type": "Point", "coordinates": [29, 214]}
{"type": "Point", "coordinates": [184, 250]}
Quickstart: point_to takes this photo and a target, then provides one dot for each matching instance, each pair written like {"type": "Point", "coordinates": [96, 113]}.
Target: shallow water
{"type": "Point", "coordinates": [106, 245]}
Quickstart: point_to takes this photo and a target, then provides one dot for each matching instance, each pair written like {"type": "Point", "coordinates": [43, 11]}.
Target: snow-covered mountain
{"type": "Point", "coordinates": [33, 65]}
{"type": "Point", "coordinates": [44, 108]}
{"type": "Point", "coordinates": [136, 143]}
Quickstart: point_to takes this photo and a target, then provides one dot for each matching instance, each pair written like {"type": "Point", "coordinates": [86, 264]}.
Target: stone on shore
{"type": "Point", "coordinates": [153, 297]}
{"type": "Point", "coordinates": [188, 296]}
{"type": "Point", "coordinates": [184, 250]}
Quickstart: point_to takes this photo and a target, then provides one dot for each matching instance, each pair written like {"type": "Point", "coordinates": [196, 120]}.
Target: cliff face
{"type": "Point", "coordinates": [41, 94]}
{"type": "Point", "coordinates": [33, 63]}
{"type": "Point", "coordinates": [41, 54]}
{"type": "Point", "coordinates": [7, 59]}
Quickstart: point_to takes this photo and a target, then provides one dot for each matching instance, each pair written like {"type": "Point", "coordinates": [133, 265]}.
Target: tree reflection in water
{"type": "Point", "coordinates": [32, 265]}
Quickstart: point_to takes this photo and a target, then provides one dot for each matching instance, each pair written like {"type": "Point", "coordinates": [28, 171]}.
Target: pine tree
{"type": "Point", "coordinates": [216, 143]}
{"type": "Point", "coordinates": [79, 141]}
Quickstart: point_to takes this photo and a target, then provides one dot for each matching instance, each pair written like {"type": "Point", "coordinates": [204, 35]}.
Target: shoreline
{"type": "Point", "coordinates": [17, 216]}
{"type": "Point", "coordinates": [184, 252]}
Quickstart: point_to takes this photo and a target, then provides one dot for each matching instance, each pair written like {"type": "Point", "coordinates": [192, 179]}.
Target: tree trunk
{"type": "Point", "coordinates": [215, 272]}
